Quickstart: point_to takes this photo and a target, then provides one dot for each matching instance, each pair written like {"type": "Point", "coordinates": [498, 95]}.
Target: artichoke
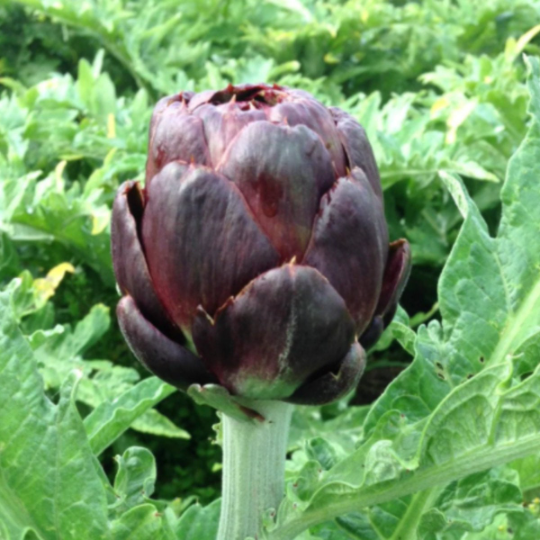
{"type": "Point", "coordinates": [256, 257]}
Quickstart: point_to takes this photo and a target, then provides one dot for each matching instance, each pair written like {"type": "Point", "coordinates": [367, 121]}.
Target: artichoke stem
{"type": "Point", "coordinates": [253, 469]}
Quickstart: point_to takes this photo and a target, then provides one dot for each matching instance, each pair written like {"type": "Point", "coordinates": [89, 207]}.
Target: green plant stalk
{"type": "Point", "coordinates": [253, 469]}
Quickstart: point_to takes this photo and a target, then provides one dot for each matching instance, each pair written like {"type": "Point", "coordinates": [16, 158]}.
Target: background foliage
{"type": "Point", "coordinates": [440, 87]}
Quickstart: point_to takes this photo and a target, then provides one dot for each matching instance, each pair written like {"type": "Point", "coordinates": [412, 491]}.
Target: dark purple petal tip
{"type": "Point", "coordinates": [333, 384]}
{"type": "Point", "coordinates": [165, 358]}
{"type": "Point", "coordinates": [396, 275]}
{"type": "Point", "coordinates": [357, 148]}
{"type": "Point", "coordinates": [128, 257]}
{"type": "Point", "coordinates": [373, 333]}
{"type": "Point", "coordinates": [175, 135]}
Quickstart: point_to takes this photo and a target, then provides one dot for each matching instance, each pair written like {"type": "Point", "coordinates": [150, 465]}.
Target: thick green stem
{"type": "Point", "coordinates": [253, 469]}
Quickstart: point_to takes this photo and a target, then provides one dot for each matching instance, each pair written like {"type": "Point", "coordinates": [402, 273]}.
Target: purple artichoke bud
{"type": "Point", "coordinates": [257, 256]}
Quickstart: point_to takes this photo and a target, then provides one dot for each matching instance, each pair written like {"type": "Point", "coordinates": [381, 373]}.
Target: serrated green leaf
{"type": "Point", "coordinates": [143, 523]}
{"type": "Point", "coordinates": [198, 522]}
{"type": "Point", "coordinates": [111, 418]}
{"type": "Point", "coordinates": [58, 352]}
{"type": "Point", "coordinates": [155, 423]}
{"type": "Point", "coordinates": [64, 344]}
{"type": "Point", "coordinates": [528, 469]}
{"type": "Point", "coordinates": [51, 213]}
{"type": "Point", "coordinates": [85, 82]}
{"type": "Point", "coordinates": [471, 504]}
{"type": "Point", "coordinates": [48, 481]}
{"type": "Point", "coordinates": [399, 330]}
{"type": "Point", "coordinates": [322, 452]}
{"type": "Point", "coordinates": [305, 482]}
{"type": "Point", "coordinates": [135, 478]}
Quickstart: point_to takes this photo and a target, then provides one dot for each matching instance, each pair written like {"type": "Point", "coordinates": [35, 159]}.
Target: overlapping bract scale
{"type": "Point", "coordinates": [202, 245]}
{"type": "Point", "coordinates": [282, 173]}
{"type": "Point", "coordinates": [349, 244]}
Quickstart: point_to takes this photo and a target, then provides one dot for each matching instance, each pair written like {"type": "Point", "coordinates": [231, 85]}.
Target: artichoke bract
{"type": "Point", "coordinates": [256, 257]}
